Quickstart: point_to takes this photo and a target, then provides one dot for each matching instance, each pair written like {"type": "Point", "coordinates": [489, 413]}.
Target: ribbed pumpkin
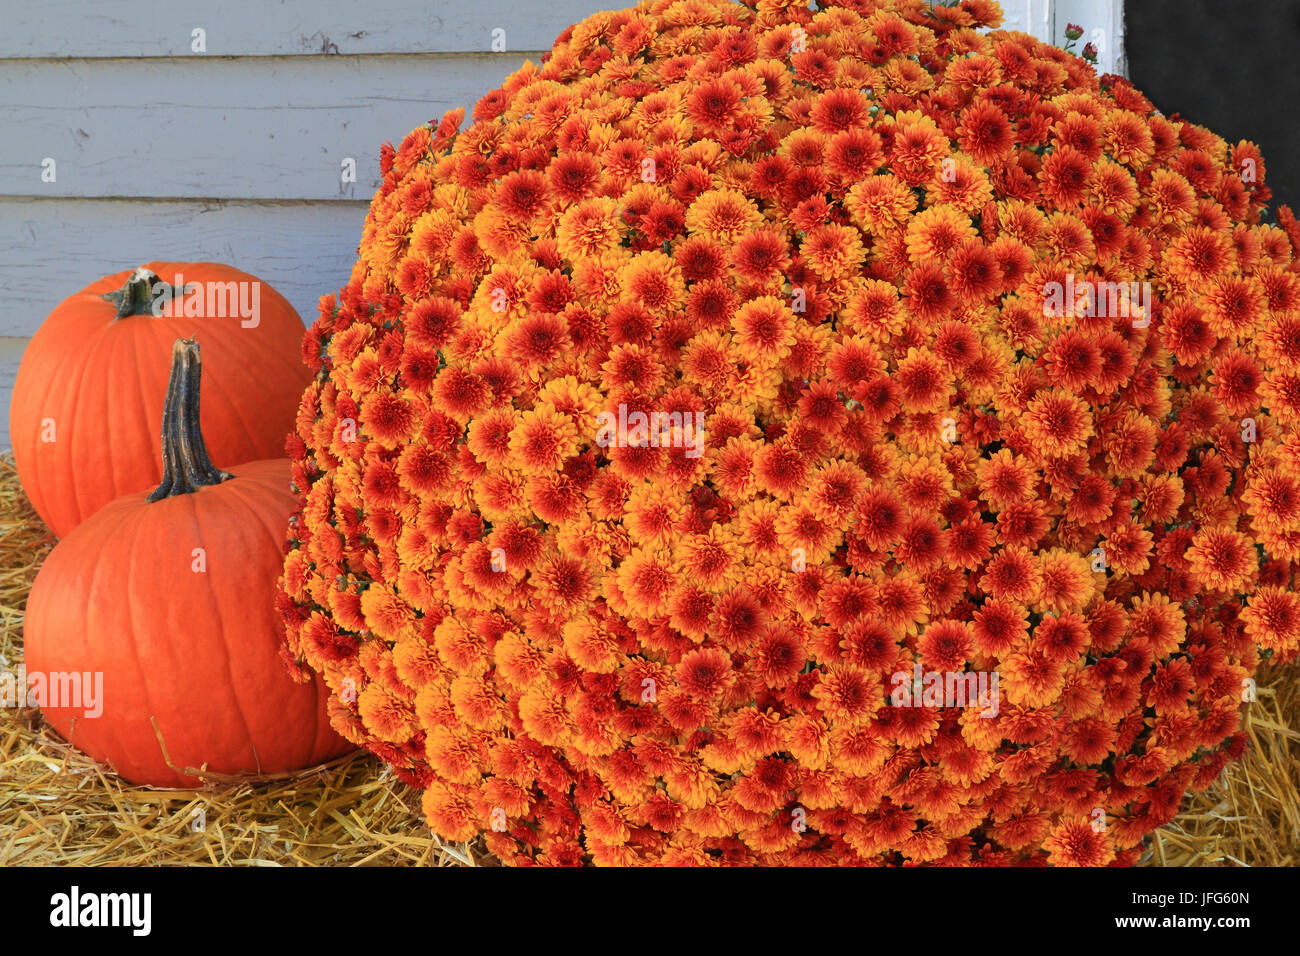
{"type": "Point", "coordinates": [170, 596]}
{"type": "Point", "coordinates": [88, 396]}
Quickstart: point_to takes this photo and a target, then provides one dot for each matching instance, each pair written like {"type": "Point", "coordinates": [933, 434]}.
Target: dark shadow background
{"type": "Point", "coordinates": [1230, 65]}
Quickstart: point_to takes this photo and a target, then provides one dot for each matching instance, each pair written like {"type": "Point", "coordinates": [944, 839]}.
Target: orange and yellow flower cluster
{"type": "Point", "coordinates": [830, 236]}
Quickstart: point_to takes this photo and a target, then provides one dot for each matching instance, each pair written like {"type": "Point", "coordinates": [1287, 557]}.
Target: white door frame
{"type": "Point", "coordinates": [1102, 22]}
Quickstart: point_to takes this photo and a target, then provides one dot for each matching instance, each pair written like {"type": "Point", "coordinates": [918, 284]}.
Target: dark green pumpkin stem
{"type": "Point", "coordinates": [186, 465]}
{"type": "Point", "coordinates": [136, 297]}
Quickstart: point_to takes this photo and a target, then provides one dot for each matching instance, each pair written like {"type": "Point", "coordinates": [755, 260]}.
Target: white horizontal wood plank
{"type": "Point", "coordinates": [149, 28]}
{"type": "Point", "coordinates": [49, 249]}
{"type": "Point", "coordinates": [11, 352]}
{"type": "Point", "coordinates": [1029, 16]}
{"type": "Point", "coordinates": [260, 128]}
{"type": "Point", "coordinates": [1103, 26]}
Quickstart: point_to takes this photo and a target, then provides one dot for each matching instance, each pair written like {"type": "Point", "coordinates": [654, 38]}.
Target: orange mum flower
{"type": "Point", "coordinates": [723, 215]}
{"type": "Point", "coordinates": [1006, 479]}
{"type": "Point", "coordinates": [880, 203]}
{"type": "Point", "coordinates": [998, 627]}
{"type": "Point", "coordinates": [985, 132]}
{"type": "Point", "coordinates": [1013, 575]}
{"type": "Point", "coordinates": [833, 251]}
{"type": "Point", "coordinates": [854, 154]}
{"type": "Point", "coordinates": [1273, 618]}
{"type": "Point", "coordinates": [654, 281]}
{"type": "Point", "coordinates": [589, 228]}
{"type": "Point", "coordinates": [764, 330]}
{"type": "Point", "coordinates": [848, 694]}
{"type": "Point", "coordinates": [1198, 255]}
{"type": "Point", "coordinates": [543, 439]}
{"type": "Point", "coordinates": [1233, 305]}
{"type": "Point", "coordinates": [1058, 423]}
{"type": "Point", "coordinates": [928, 294]}
{"type": "Point", "coordinates": [1076, 843]}
{"type": "Point", "coordinates": [1170, 198]}
{"type": "Point", "coordinates": [709, 559]}
{"type": "Point", "coordinates": [1067, 581]}
{"type": "Point", "coordinates": [918, 146]}
{"type": "Point", "coordinates": [1064, 177]}
{"type": "Point", "coordinates": [935, 232]}
{"type": "Point", "coordinates": [1223, 560]}
{"type": "Point", "coordinates": [1127, 548]}
{"type": "Point", "coordinates": [925, 381]}
{"type": "Point", "coordinates": [761, 255]}
{"type": "Point", "coordinates": [1127, 138]}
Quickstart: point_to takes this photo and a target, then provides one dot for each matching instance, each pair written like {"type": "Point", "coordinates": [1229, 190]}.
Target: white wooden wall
{"type": "Point", "coordinates": [1102, 22]}
{"type": "Point", "coordinates": [234, 154]}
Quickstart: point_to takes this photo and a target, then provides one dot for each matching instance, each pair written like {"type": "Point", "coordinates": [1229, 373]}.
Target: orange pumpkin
{"type": "Point", "coordinates": [170, 596]}
{"type": "Point", "coordinates": [88, 397]}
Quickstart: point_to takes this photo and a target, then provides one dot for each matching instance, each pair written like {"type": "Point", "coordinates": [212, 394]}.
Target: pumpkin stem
{"type": "Point", "coordinates": [136, 297]}
{"type": "Point", "coordinates": [186, 465]}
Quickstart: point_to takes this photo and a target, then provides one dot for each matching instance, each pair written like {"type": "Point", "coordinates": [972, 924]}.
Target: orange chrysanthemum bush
{"type": "Point", "coordinates": [816, 251]}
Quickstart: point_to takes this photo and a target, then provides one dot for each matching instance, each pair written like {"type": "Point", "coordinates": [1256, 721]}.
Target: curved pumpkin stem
{"type": "Point", "coordinates": [186, 465]}
{"type": "Point", "coordinates": [136, 297]}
